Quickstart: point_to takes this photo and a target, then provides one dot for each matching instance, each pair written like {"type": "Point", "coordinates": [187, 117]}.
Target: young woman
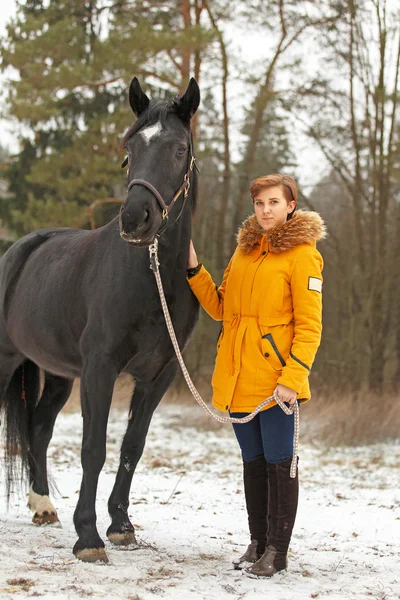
{"type": "Point", "coordinates": [270, 305]}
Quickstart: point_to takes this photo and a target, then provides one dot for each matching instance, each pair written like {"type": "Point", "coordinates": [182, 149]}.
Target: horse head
{"type": "Point", "coordinates": [160, 156]}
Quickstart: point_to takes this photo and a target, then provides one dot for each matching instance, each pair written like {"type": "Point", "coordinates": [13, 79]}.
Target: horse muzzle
{"type": "Point", "coordinates": [136, 241]}
{"type": "Point", "coordinates": [140, 234]}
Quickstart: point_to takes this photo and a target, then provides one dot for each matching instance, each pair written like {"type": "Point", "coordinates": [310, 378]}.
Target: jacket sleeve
{"type": "Point", "coordinates": [306, 288]}
{"type": "Point", "coordinates": [208, 294]}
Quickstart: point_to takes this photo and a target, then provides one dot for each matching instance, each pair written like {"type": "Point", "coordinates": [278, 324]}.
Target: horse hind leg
{"type": "Point", "coordinates": [8, 366]}
{"type": "Point", "coordinates": [55, 394]}
{"type": "Point", "coordinates": [43, 509]}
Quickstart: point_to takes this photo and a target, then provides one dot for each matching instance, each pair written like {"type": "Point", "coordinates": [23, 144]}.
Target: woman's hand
{"type": "Point", "coordinates": [286, 394]}
{"type": "Point", "coordinates": [192, 259]}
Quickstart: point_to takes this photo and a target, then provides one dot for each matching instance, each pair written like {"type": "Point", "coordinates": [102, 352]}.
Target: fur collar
{"type": "Point", "coordinates": [303, 227]}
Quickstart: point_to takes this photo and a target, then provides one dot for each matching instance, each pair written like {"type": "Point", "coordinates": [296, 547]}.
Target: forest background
{"type": "Point", "coordinates": [320, 100]}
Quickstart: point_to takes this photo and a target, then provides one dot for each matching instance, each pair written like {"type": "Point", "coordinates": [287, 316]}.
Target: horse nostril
{"type": "Point", "coordinates": [136, 220]}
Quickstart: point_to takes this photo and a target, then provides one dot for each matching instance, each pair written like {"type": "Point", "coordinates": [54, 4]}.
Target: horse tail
{"type": "Point", "coordinates": [17, 405]}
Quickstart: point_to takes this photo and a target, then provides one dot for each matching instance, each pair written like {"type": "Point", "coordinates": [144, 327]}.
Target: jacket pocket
{"type": "Point", "coordinates": [271, 352]}
{"type": "Point", "coordinates": [276, 342]}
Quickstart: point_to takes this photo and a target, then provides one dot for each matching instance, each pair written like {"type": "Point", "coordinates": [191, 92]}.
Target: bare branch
{"type": "Point", "coordinates": [175, 62]}
{"type": "Point", "coordinates": [142, 72]}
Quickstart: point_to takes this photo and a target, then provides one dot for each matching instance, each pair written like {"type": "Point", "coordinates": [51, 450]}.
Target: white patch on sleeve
{"type": "Point", "coordinates": [150, 132]}
{"type": "Point", "coordinates": [315, 284]}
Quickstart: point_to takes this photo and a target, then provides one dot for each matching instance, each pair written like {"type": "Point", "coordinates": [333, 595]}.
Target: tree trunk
{"type": "Point", "coordinates": [226, 184]}
{"type": "Point", "coordinates": [198, 7]}
{"type": "Point", "coordinates": [186, 53]}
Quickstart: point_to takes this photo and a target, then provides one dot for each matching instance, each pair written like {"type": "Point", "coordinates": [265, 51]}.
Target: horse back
{"type": "Point", "coordinates": [13, 261]}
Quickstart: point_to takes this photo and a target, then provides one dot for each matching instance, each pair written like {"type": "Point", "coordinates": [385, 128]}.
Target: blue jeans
{"type": "Point", "coordinates": [270, 433]}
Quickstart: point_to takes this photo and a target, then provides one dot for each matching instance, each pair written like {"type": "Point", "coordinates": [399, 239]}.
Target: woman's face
{"type": "Point", "coordinates": [271, 207]}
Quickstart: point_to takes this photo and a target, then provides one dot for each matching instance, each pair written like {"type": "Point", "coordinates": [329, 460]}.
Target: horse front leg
{"type": "Point", "coordinates": [96, 392]}
{"type": "Point", "coordinates": [145, 400]}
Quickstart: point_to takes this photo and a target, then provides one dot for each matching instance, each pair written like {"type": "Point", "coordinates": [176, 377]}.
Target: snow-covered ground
{"type": "Point", "coordinates": [188, 508]}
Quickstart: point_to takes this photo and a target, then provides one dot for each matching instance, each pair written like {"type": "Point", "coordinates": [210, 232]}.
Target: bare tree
{"type": "Point", "coordinates": [357, 129]}
{"type": "Point", "coordinates": [291, 20]}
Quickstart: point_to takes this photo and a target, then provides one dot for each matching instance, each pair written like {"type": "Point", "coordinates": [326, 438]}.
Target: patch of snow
{"type": "Point", "coordinates": [187, 506]}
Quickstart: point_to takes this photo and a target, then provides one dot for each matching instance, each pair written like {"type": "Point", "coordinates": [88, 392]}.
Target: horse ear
{"type": "Point", "coordinates": [189, 102]}
{"type": "Point", "coordinates": [137, 98]}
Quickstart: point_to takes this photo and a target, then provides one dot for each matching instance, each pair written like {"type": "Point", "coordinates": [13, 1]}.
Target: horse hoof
{"type": "Point", "coordinates": [46, 518]}
{"type": "Point", "coordinates": [123, 539]}
{"type": "Point", "coordinates": [91, 555]}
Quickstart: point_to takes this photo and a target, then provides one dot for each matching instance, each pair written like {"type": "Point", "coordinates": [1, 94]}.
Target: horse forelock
{"type": "Point", "coordinates": [157, 112]}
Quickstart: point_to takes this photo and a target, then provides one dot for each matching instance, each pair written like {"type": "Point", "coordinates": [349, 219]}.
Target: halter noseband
{"type": "Point", "coordinates": [184, 188]}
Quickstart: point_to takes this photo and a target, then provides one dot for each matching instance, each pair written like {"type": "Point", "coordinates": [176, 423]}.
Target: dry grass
{"type": "Point", "coordinates": [123, 390]}
{"type": "Point", "coordinates": [348, 419]}
{"type": "Point", "coordinates": [328, 418]}
{"type": "Point", "coordinates": [196, 418]}
{"type": "Point", "coordinates": [21, 583]}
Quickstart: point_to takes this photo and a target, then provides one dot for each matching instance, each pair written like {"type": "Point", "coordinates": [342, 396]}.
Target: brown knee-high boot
{"type": "Point", "coordinates": [255, 481]}
{"type": "Point", "coordinates": [283, 500]}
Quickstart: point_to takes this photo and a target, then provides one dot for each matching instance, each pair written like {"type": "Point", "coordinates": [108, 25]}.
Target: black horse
{"type": "Point", "coordinates": [77, 303]}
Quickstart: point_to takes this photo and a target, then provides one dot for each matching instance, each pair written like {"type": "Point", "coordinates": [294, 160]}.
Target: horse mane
{"type": "Point", "coordinates": [158, 110]}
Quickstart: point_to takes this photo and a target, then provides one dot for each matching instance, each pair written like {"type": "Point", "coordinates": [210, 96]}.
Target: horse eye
{"type": "Point", "coordinates": [181, 151]}
{"type": "Point", "coordinates": [125, 162]}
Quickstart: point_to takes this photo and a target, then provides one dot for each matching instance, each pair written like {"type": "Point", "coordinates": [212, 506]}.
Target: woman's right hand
{"type": "Point", "coordinates": [192, 259]}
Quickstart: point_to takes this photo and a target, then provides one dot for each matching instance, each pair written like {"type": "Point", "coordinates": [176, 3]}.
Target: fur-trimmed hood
{"type": "Point", "coordinates": [303, 227]}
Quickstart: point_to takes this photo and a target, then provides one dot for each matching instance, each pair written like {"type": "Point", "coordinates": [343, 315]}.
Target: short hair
{"type": "Point", "coordinates": [286, 182]}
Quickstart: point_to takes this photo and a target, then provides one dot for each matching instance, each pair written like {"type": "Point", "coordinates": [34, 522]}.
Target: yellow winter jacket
{"type": "Point", "coordinates": [271, 307]}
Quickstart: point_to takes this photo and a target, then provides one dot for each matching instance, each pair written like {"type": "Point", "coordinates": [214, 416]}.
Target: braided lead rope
{"type": "Point", "coordinates": [154, 264]}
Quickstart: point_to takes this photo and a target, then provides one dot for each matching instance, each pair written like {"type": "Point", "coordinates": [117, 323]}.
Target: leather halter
{"type": "Point", "coordinates": [184, 188]}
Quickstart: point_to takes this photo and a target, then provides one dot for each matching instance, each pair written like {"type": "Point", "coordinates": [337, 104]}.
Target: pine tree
{"type": "Point", "coordinates": [75, 60]}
